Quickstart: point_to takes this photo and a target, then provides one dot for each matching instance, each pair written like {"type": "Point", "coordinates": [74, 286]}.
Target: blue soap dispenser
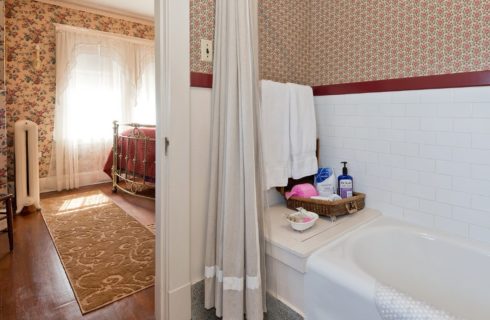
{"type": "Point", "coordinates": [346, 183]}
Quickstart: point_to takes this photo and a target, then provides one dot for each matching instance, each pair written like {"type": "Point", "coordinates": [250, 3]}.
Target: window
{"type": "Point", "coordinates": [100, 78]}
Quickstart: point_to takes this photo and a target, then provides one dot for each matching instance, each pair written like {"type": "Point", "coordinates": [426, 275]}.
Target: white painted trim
{"type": "Point", "coordinates": [161, 211]}
{"type": "Point", "coordinates": [109, 35]}
{"type": "Point", "coordinates": [101, 10]}
{"type": "Point", "coordinates": [178, 303]}
{"type": "Point", "coordinates": [173, 281]}
{"type": "Point", "coordinates": [48, 184]}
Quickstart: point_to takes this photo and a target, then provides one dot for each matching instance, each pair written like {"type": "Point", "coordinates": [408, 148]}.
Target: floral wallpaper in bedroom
{"type": "Point", "coordinates": [3, 120]}
{"type": "Point", "coordinates": [31, 91]}
{"type": "Point", "coordinates": [3, 143]}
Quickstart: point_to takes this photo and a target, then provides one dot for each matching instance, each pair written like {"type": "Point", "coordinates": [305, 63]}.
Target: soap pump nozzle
{"type": "Point", "coordinates": [345, 171]}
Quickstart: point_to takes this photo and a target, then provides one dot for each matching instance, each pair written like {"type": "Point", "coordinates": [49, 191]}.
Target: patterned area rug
{"type": "Point", "coordinates": [152, 228]}
{"type": "Point", "coordinates": [106, 253]}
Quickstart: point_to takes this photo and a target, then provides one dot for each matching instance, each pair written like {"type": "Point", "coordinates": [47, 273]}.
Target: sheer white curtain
{"type": "Point", "coordinates": [234, 261]}
{"type": "Point", "coordinates": [100, 77]}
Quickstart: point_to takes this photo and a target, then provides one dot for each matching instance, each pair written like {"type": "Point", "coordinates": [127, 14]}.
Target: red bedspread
{"type": "Point", "coordinates": [130, 149]}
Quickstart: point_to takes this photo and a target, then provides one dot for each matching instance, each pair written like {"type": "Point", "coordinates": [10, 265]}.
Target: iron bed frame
{"type": "Point", "coordinates": [126, 180]}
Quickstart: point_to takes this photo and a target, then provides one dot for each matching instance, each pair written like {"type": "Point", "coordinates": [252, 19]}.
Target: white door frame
{"type": "Point", "coordinates": [173, 279]}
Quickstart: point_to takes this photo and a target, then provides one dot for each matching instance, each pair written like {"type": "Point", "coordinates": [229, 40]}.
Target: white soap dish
{"type": "Point", "coordinates": [302, 220]}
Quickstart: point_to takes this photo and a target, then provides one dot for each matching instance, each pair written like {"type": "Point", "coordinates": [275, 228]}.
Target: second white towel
{"type": "Point", "coordinates": [302, 127]}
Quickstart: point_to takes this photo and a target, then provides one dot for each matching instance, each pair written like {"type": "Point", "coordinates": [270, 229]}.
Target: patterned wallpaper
{"type": "Point", "coordinates": [321, 42]}
{"type": "Point", "coordinates": [362, 40]}
{"type": "Point", "coordinates": [3, 124]}
{"type": "Point", "coordinates": [202, 27]}
{"type": "Point", "coordinates": [3, 143]}
{"type": "Point", "coordinates": [284, 38]}
{"type": "Point", "coordinates": [31, 92]}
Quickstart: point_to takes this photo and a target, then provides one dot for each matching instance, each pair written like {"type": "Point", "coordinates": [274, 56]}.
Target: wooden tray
{"type": "Point", "coordinates": [330, 209]}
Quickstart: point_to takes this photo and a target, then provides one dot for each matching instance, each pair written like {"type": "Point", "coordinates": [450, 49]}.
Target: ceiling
{"type": "Point", "coordinates": [139, 9]}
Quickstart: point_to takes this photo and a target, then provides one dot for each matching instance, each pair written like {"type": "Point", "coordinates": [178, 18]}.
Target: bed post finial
{"type": "Point", "coordinates": [114, 156]}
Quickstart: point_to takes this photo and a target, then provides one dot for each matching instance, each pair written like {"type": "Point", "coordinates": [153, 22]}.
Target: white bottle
{"type": "Point", "coordinates": [325, 182]}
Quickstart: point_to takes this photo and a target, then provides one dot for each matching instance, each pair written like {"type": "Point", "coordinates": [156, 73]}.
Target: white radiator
{"type": "Point", "coordinates": [26, 165]}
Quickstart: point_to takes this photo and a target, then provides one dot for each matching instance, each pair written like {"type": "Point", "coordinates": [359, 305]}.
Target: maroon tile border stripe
{"type": "Point", "coordinates": [201, 80]}
{"type": "Point", "coordinates": [455, 80]}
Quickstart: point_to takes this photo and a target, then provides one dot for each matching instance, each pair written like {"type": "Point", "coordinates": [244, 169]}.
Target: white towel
{"type": "Point", "coordinates": [302, 131]}
{"type": "Point", "coordinates": [275, 133]}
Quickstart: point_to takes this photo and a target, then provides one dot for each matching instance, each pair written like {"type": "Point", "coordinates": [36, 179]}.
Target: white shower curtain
{"type": "Point", "coordinates": [234, 262]}
{"type": "Point", "coordinates": [100, 77]}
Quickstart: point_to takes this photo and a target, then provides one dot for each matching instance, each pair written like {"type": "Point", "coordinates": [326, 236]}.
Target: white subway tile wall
{"type": "Point", "coordinates": [422, 156]}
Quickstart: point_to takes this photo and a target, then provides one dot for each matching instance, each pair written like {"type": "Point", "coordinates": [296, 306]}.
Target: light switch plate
{"type": "Point", "coordinates": [206, 50]}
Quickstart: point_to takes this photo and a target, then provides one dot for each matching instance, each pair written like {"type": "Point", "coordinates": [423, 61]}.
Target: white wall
{"type": "Point", "coordinates": [200, 144]}
{"type": "Point", "coordinates": [421, 156]}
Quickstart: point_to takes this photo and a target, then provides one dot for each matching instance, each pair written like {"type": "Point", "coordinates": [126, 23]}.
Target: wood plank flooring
{"type": "Point", "coordinates": [33, 283]}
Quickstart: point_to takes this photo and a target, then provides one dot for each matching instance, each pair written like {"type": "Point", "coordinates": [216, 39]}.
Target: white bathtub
{"type": "Point", "coordinates": [387, 267]}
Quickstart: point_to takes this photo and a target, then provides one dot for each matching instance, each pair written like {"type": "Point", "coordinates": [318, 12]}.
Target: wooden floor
{"type": "Point", "coordinates": [33, 284]}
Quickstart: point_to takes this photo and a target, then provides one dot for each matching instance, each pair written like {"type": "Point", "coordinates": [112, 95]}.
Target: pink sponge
{"type": "Point", "coordinates": [304, 190]}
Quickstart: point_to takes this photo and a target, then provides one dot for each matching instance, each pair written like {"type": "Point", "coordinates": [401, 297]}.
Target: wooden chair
{"type": "Point", "coordinates": [7, 199]}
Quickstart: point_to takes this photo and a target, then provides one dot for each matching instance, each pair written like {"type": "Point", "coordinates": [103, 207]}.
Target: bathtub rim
{"type": "Point", "coordinates": [383, 221]}
{"type": "Point", "coordinates": [335, 262]}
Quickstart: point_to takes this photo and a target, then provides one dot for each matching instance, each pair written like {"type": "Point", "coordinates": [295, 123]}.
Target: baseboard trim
{"type": "Point", "coordinates": [48, 184]}
{"type": "Point", "coordinates": [286, 303]}
{"type": "Point", "coordinates": [179, 303]}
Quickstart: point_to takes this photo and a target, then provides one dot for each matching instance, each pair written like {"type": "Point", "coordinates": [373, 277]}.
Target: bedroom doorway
{"type": "Point", "coordinates": [88, 252]}
{"type": "Point", "coordinates": [88, 216]}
